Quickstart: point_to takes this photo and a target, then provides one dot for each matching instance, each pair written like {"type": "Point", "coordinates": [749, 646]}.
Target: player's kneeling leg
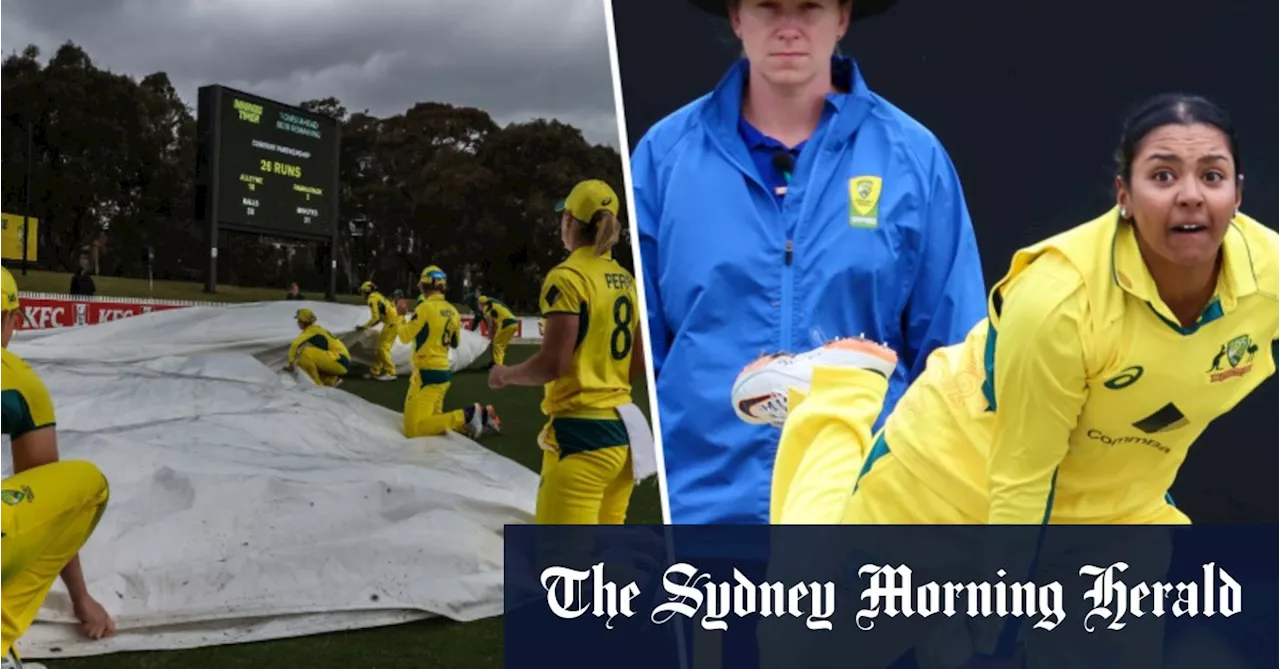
{"type": "Point", "coordinates": [307, 359]}
{"type": "Point", "coordinates": [425, 415]}
{"type": "Point", "coordinates": [49, 513]}
{"type": "Point", "coordinates": [323, 367]}
{"type": "Point", "coordinates": [412, 408]}
{"type": "Point", "coordinates": [333, 370]}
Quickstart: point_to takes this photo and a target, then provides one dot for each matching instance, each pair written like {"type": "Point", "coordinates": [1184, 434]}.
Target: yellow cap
{"type": "Point", "coordinates": [10, 289]}
{"type": "Point", "coordinates": [9, 294]}
{"type": "Point", "coordinates": [587, 198]}
{"type": "Point", "coordinates": [433, 276]}
{"type": "Point", "coordinates": [367, 287]}
{"type": "Point", "coordinates": [305, 316]}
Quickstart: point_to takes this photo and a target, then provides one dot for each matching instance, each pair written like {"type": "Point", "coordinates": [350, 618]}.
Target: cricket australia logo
{"type": "Point", "coordinates": [15, 497]}
{"type": "Point", "coordinates": [1235, 358]}
{"type": "Point", "coordinates": [864, 201]}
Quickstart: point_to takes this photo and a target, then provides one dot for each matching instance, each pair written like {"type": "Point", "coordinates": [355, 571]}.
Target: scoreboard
{"type": "Point", "coordinates": [267, 167]}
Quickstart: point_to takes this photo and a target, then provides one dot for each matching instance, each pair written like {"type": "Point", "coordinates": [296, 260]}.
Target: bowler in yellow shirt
{"type": "Point", "coordinates": [1108, 349]}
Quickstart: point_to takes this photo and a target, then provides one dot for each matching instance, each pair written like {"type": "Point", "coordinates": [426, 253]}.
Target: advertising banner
{"type": "Point", "coordinates": [11, 239]}
{"type": "Point", "coordinates": [46, 310]}
{"type": "Point", "coordinates": [65, 312]}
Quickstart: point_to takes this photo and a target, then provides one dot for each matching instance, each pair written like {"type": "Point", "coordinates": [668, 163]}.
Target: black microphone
{"type": "Point", "coordinates": [784, 162]}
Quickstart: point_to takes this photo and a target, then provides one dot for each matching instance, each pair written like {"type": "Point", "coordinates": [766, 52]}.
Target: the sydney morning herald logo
{"type": "Point", "coordinates": [889, 590]}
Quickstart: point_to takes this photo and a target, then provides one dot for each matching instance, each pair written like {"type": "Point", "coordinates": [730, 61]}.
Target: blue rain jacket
{"type": "Point", "coordinates": [873, 236]}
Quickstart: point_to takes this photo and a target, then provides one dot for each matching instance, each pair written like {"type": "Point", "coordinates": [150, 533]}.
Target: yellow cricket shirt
{"type": "Point", "coordinates": [1078, 402]}
{"type": "Point", "coordinates": [432, 330]}
{"type": "Point", "coordinates": [381, 310]}
{"type": "Point", "coordinates": [603, 295]}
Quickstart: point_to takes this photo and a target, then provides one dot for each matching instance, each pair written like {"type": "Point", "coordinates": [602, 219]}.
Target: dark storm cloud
{"type": "Point", "coordinates": [516, 59]}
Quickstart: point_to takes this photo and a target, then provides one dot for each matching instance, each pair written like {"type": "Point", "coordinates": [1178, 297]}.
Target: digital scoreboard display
{"type": "Point", "coordinates": [270, 167]}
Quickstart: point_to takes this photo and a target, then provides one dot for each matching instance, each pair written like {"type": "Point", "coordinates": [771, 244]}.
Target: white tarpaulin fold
{"type": "Point", "coordinates": [262, 329]}
{"type": "Point", "coordinates": [248, 505]}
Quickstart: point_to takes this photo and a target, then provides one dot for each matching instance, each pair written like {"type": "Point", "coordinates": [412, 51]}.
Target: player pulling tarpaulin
{"type": "Point", "coordinates": [50, 507]}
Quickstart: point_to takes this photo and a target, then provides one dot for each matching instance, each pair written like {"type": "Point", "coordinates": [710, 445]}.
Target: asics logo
{"type": "Point", "coordinates": [1127, 377]}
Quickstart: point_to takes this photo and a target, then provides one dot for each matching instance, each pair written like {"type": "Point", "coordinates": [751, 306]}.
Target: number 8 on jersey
{"type": "Point", "coordinates": [603, 295]}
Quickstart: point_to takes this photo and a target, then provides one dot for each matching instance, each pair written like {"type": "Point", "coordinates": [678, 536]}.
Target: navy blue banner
{"type": "Point", "coordinates": [876, 596]}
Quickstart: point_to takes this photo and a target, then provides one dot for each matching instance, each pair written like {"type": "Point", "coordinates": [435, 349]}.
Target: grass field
{"type": "Point", "coordinates": [421, 645]}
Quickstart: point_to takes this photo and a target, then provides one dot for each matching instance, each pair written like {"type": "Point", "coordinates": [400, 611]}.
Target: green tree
{"type": "Point", "coordinates": [438, 184]}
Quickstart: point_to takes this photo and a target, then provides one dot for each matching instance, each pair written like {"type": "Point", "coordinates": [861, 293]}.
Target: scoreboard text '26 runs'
{"type": "Point", "coordinates": [276, 167]}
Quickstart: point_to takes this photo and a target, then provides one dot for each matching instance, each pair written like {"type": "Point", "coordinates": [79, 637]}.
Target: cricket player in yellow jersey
{"type": "Point", "coordinates": [381, 310]}
{"type": "Point", "coordinates": [1108, 349]}
{"type": "Point", "coordinates": [433, 331]}
{"type": "Point", "coordinates": [318, 353]}
{"type": "Point", "coordinates": [50, 507]}
{"type": "Point", "coordinates": [501, 321]}
{"type": "Point", "coordinates": [591, 351]}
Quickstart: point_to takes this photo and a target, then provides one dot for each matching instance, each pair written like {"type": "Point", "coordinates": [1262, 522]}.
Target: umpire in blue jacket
{"type": "Point", "coordinates": [789, 206]}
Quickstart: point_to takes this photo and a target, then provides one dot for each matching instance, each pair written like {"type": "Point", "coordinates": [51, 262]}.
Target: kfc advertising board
{"type": "Point", "coordinates": [45, 311]}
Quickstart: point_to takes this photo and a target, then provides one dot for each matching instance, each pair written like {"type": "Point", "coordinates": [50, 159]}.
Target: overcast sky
{"type": "Point", "coordinates": [516, 59]}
